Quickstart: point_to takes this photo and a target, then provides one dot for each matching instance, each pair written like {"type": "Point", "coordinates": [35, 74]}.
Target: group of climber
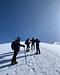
{"type": "Point", "coordinates": [15, 45]}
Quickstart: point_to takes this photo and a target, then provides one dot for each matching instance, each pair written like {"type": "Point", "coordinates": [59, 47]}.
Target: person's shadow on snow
{"type": "Point", "coordinates": [5, 55]}
{"type": "Point", "coordinates": [9, 54]}
{"type": "Point", "coordinates": [4, 61]}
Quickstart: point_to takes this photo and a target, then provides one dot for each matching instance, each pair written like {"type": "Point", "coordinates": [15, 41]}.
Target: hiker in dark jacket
{"type": "Point", "coordinates": [27, 42]}
{"type": "Point", "coordinates": [16, 50]}
{"type": "Point", "coordinates": [37, 46]}
{"type": "Point", "coordinates": [32, 43]}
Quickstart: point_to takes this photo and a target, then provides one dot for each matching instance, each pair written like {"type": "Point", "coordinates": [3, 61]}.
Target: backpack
{"type": "Point", "coordinates": [26, 42]}
{"type": "Point", "coordinates": [13, 45]}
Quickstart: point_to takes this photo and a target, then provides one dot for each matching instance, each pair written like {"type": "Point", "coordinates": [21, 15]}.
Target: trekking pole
{"type": "Point", "coordinates": [25, 55]}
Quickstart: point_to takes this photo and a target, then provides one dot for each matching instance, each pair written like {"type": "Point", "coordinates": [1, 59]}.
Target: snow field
{"type": "Point", "coordinates": [46, 63]}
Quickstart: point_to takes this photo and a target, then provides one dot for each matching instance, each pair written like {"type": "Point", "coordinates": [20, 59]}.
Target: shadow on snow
{"type": "Point", "coordinates": [9, 60]}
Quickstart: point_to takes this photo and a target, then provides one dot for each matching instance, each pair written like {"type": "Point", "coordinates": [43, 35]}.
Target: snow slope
{"type": "Point", "coordinates": [46, 63]}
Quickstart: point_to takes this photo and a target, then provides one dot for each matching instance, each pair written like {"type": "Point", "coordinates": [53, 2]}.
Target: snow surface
{"type": "Point", "coordinates": [46, 63]}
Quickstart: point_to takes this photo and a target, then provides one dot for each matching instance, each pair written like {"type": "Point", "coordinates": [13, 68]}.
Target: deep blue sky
{"type": "Point", "coordinates": [28, 18]}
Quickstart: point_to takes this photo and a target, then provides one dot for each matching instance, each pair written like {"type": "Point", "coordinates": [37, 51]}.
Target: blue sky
{"type": "Point", "coordinates": [28, 18]}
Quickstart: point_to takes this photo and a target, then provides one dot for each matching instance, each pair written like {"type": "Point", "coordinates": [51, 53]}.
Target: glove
{"type": "Point", "coordinates": [24, 46]}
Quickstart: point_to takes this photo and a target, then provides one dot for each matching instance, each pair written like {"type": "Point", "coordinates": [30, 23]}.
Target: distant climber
{"type": "Point", "coordinates": [27, 42]}
{"type": "Point", "coordinates": [16, 47]}
{"type": "Point", "coordinates": [37, 46]}
{"type": "Point", "coordinates": [32, 43]}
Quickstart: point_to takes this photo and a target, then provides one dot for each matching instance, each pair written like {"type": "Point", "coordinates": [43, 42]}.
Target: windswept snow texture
{"type": "Point", "coordinates": [46, 63]}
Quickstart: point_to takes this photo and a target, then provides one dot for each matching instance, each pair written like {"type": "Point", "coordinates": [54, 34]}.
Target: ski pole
{"type": "Point", "coordinates": [25, 55]}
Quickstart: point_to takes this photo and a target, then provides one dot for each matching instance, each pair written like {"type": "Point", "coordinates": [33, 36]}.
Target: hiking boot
{"type": "Point", "coordinates": [14, 63]}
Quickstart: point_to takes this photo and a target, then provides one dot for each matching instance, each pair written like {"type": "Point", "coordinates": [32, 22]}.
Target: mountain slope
{"type": "Point", "coordinates": [46, 63]}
